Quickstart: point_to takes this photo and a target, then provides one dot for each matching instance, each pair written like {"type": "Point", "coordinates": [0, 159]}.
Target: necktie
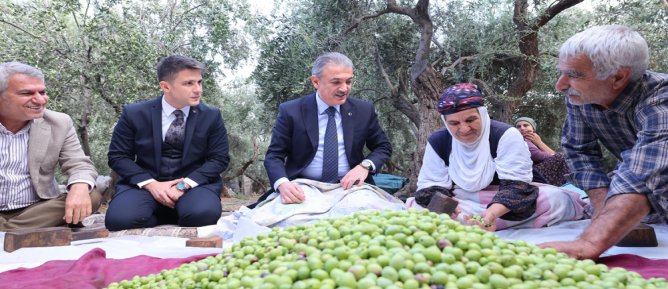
{"type": "Point", "coordinates": [330, 158]}
{"type": "Point", "coordinates": [176, 131]}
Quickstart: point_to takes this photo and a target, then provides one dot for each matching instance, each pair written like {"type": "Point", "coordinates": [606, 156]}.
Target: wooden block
{"type": "Point", "coordinates": [641, 236]}
{"type": "Point", "coordinates": [43, 237]}
{"type": "Point", "coordinates": [209, 242]}
{"type": "Point", "coordinates": [442, 204]}
{"type": "Point", "coordinates": [85, 233]}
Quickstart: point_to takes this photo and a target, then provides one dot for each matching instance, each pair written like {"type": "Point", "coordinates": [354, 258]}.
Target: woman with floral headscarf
{"type": "Point", "coordinates": [486, 166]}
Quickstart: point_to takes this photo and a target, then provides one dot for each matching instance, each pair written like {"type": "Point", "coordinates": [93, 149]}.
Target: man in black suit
{"type": "Point", "coordinates": [321, 136]}
{"type": "Point", "coordinates": [169, 153]}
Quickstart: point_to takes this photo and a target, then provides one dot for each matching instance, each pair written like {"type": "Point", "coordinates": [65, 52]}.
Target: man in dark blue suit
{"type": "Point", "coordinates": [299, 143]}
{"type": "Point", "coordinates": [169, 153]}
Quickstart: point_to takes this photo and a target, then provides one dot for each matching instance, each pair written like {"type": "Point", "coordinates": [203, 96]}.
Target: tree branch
{"type": "Point", "coordinates": [101, 91]}
{"type": "Point", "coordinates": [458, 62]}
{"type": "Point", "coordinates": [420, 16]}
{"type": "Point", "coordinates": [519, 17]}
{"type": "Point", "coordinates": [391, 7]}
{"type": "Point", "coordinates": [665, 3]}
{"type": "Point", "coordinates": [487, 91]}
{"type": "Point", "coordinates": [438, 44]}
{"type": "Point", "coordinates": [379, 62]}
{"type": "Point", "coordinates": [398, 93]}
{"type": "Point", "coordinates": [357, 21]}
{"type": "Point", "coordinates": [185, 13]}
{"type": "Point", "coordinates": [76, 21]}
{"type": "Point", "coordinates": [85, 16]}
{"type": "Point", "coordinates": [423, 20]}
{"type": "Point", "coordinates": [552, 11]}
{"type": "Point", "coordinates": [242, 170]}
{"type": "Point", "coordinates": [34, 36]}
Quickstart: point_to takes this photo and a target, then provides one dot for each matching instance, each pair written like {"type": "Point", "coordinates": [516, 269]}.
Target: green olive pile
{"type": "Point", "coordinates": [410, 249]}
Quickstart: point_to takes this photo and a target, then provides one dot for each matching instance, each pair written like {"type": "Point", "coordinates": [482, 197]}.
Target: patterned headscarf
{"type": "Point", "coordinates": [461, 96]}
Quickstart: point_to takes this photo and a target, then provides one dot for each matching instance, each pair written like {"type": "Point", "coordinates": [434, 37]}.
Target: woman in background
{"type": "Point", "coordinates": [549, 167]}
{"type": "Point", "coordinates": [538, 149]}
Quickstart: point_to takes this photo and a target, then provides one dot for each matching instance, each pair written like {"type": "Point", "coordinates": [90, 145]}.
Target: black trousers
{"type": "Point", "coordinates": [136, 208]}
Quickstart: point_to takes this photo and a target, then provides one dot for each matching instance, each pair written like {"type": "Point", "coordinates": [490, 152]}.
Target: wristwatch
{"type": "Point", "coordinates": [367, 164]}
{"type": "Point", "coordinates": [181, 186]}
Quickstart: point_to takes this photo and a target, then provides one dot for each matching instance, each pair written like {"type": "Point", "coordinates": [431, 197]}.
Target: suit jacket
{"type": "Point", "coordinates": [52, 141]}
{"type": "Point", "coordinates": [294, 139]}
{"type": "Point", "coordinates": [136, 145]}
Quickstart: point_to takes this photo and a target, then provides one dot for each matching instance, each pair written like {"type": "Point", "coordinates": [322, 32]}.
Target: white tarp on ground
{"type": "Point", "coordinates": [568, 231]}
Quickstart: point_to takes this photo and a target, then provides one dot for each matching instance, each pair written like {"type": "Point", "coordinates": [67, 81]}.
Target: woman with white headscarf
{"type": "Point", "coordinates": [486, 166]}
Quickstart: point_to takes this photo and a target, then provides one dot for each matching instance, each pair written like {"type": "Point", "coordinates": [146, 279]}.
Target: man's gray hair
{"type": "Point", "coordinates": [7, 69]}
{"type": "Point", "coordinates": [609, 47]}
{"type": "Point", "coordinates": [326, 58]}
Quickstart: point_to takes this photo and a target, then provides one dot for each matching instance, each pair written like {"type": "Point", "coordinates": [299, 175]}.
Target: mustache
{"type": "Point", "coordinates": [571, 91]}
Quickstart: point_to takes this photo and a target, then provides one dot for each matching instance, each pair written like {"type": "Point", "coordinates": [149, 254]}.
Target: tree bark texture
{"type": "Point", "coordinates": [426, 83]}
{"type": "Point", "coordinates": [82, 127]}
{"type": "Point", "coordinates": [527, 32]}
{"type": "Point", "coordinates": [428, 86]}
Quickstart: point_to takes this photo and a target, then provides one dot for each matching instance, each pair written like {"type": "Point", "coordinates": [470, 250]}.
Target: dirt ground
{"type": "Point", "coordinates": [233, 204]}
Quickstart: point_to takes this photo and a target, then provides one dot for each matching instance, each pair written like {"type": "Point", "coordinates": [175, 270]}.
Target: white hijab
{"type": "Point", "coordinates": [471, 165]}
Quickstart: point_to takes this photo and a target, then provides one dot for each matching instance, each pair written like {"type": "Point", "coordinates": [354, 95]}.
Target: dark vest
{"type": "Point", "coordinates": [441, 141]}
{"type": "Point", "coordinates": [170, 162]}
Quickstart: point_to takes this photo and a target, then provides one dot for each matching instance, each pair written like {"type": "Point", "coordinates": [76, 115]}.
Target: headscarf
{"type": "Point", "coordinates": [461, 96]}
{"type": "Point", "coordinates": [527, 119]}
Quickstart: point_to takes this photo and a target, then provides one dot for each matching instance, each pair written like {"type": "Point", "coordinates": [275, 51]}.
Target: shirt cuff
{"type": "Point", "coordinates": [146, 182]}
{"type": "Point", "coordinates": [91, 185]}
{"type": "Point", "coordinates": [280, 182]}
{"type": "Point", "coordinates": [190, 182]}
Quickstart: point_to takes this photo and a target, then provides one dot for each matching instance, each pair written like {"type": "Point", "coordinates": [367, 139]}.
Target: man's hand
{"type": "Point", "coordinates": [578, 249]}
{"type": "Point", "coordinates": [355, 176]}
{"type": "Point", "coordinates": [291, 193]}
{"type": "Point", "coordinates": [175, 194]}
{"type": "Point", "coordinates": [611, 223]}
{"type": "Point", "coordinates": [164, 192]}
{"type": "Point", "coordinates": [77, 203]}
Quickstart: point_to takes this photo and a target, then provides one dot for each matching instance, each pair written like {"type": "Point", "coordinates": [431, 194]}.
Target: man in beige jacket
{"type": "Point", "coordinates": [33, 141]}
